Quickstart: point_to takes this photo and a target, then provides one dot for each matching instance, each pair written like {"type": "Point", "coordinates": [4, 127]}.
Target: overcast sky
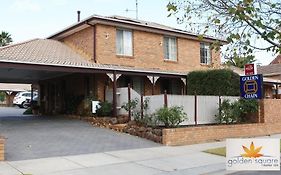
{"type": "Point", "coordinates": [28, 19]}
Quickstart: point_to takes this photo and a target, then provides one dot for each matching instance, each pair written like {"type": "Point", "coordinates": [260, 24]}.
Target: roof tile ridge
{"type": "Point", "coordinates": [20, 43]}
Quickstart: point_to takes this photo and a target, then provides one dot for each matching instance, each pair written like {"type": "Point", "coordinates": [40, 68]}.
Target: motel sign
{"type": "Point", "coordinates": [251, 86]}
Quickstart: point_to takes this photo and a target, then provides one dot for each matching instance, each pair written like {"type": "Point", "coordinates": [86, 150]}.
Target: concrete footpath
{"type": "Point", "coordinates": [161, 160]}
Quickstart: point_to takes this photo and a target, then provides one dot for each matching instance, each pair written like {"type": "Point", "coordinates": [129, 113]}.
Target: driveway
{"type": "Point", "coordinates": [11, 111]}
{"type": "Point", "coordinates": [31, 137]}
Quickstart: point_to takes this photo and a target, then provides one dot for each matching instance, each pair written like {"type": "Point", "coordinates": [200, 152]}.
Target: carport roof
{"type": "Point", "coordinates": [48, 52]}
{"type": "Point", "coordinates": [15, 87]}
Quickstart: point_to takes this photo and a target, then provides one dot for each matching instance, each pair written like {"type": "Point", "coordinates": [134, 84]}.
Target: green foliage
{"type": "Point", "coordinates": [28, 111]}
{"type": "Point", "coordinates": [130, 105]}
{"type": "Point", "coordinates": [236, 112]}
{"type": "Point", "coordinates": [240, 23]}
{"type": "Point", "coordinates": [87, 106]}
{"type": "Point", "coordinates": [226, 113]}
{"type": "Point", "coordinates": [245, 107]}
{"type": "Point", "coordinates": [146, 119]}
{"type": "Point", "coordinates": [105, 109]}
{"type": "Point", "coordinates": [170, 117]}
{"type": "Point", "coordinates": [72, 102]}
{"type": "Point", "coordinates": [240, 61]}
{"type": "Point", "coordinates": [2, 96]}
{"type": "Point", "coordinates": [5, 38]}
{"type": "Point", "coordinates": [213, 82]}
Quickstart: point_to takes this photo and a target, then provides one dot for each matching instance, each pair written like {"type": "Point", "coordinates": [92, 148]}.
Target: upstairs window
{"type": "Point", "coordinates": [170, 48]}
{"type": "Point", "coordinates": [205, 53]}
{"type": "Point", "coordinates": [124, 42]}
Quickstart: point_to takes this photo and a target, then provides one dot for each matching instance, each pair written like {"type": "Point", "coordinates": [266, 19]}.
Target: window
{"type": "Point", "coordinates": [205, 53]}
{"type": "Point", "coordinates": [124, 42]}
{"type": "Point", "coordinates": [170, 48]}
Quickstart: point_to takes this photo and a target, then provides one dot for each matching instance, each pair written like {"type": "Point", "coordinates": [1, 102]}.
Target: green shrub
{"type": "Point", "coordinates": [146, 120]}
{"type": "Point", "coordinates": [72, 102]}
{"type": "Point", "coordinates": [236, 112]}
{"type": "Point", "coordinates": [105, 109]}
{"type": "Point", "coordinates": [28, 111]}
{"type": "Point", "coordinates": [226, 114]}
{"type": "Point", "coordinates": [2, 96]}
{"type": "Point", "coordinates": [131, 105]}
{"type": "Point", "coordinates": [86, 106]}
{"type": "Point", "coordinates": [222, 82]}
{"type": "Point", "coordinates": [170, 117]}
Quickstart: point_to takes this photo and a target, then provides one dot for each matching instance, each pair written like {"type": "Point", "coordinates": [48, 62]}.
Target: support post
{"type": "Point", "coordinates": [219, 105]}
{"type": "Point", "coordinates": [276, 91]}
{"type": "Point", "coordinates": [141, 105]}
{"type": "Point", "coordinates": [31, 100]}
{"type": "Point", "coordinates": [153, 84]}
{"type": "Point", "coordinates": [185, 86]}
{"type": "Point", "coordinates": [195, 109]}
{"type": "Point", "coordinates": [114, 112]}
{"type": "Point", "coordinates": [165, 99]}
{"type": "Point", "coordinates": [129, 101]}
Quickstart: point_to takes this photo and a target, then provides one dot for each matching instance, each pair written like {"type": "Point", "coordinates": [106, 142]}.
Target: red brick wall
{"type": "Point", "coordinates": [271, 110]}
{"type": "Point", "coordinates": [199, 134]}
{"type": "Point", "coordinates": [82, 42]}
{"type": "Point", "coordinates": [147, 50]}
{"type": "Point", "coordinates": [2, 149]}
{"type": "Point", "coordinates": [272, 124]}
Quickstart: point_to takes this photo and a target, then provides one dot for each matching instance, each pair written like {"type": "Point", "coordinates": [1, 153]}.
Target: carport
{"type": "Point", "coordinates": [40, 62]}
{"type": "Point", "coordinates": [58, 70]}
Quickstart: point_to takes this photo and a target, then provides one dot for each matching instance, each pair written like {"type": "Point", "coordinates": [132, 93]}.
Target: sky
{"type": "Point", "coordinates": [29, 19]}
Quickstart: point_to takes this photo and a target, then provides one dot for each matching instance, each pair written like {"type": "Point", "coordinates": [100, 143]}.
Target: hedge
{"type": "Point", "coordinates": [213, 82]}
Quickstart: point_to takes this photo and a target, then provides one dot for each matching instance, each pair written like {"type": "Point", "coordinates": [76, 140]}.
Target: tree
{"type": "Point", "coordinates": [241, 22]}
{"type": "Point", "coordinates": [238, 61]}
{"type": "Point", "coordinates": [5, 38]}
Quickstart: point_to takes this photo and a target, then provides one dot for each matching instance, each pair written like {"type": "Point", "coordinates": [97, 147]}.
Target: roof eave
{"type": "Point", "coordinates": [103, 20]}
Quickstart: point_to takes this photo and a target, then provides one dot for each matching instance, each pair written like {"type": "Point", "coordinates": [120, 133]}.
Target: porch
{"type": "Point", "coordinates": [58, 95]}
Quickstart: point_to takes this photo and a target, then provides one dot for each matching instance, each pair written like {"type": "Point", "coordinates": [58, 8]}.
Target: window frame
{"type": "Point", "coordinates": [176, 48]}
{"type": "Point", "coordinates": [206, 60]}
{"type": "Point", "coordinates": [132, 43]}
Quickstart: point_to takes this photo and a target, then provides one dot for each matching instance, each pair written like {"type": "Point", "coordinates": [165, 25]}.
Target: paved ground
{"type": "Point", "coordinates": [164, 160]}
{"type": "Point", "coordinates": [11, 111]}
{"type": "Point", "coordinates": [181, 160]}
{"type": "Point", "coordinates": [48, 137]}
{"type": "Point", "coordinates": [31, 137]}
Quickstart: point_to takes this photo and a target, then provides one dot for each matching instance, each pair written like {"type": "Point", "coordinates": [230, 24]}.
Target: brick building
{"type": "Point", "coordinates": [101, 53]}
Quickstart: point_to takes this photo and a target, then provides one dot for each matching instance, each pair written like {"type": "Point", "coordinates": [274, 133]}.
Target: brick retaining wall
{"type": "Point", "coordinates": [270, 115]}
{"type": "Point", "coordinates": [2, 149]}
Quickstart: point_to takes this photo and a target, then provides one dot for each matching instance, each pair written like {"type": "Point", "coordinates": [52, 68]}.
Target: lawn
{"type": "Point", "coordinates": [217, 151]}
{"type": "Point", "coordinates": [221, 151]}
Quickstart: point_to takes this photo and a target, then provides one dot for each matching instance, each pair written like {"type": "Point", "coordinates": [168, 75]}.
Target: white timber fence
{"type": "Point", "coordinates": [199, 109]}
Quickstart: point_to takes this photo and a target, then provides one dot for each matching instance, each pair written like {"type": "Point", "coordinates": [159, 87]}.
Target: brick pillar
{"type": "Point", "coordinates": [261, 112]}
{"type": "Point", "coordinates": [2, 149]}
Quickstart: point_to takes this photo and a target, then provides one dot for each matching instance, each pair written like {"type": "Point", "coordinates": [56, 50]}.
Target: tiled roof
{"type": "Point", "coordinates": [240, 72]}
{"type": "Point", "coordinates": [55, 53]}
{"type": "Point", "coordinates": [135, 22]}
{"type": "Point", "coordinates": [271, 69]}
{"type": "Point", "coordinates": [276, 60]}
